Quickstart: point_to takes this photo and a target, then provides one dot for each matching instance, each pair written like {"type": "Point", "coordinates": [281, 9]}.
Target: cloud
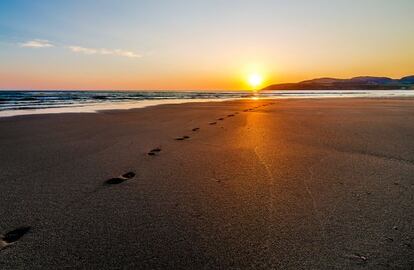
{"type": "Point", "coordinates": [37, 43]}
{"type": "Point", "coordinates": [102, 51]}
{"type": "Point", "coordinates": [43, 43]}
{"type": "Point", "coordinates": [84, 50]}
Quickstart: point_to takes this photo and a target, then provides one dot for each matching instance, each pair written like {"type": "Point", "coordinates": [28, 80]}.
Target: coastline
{"type": "Point", "coordinates": [282, 183]}
{"type": "Point", "coordinates": [56, 106]}
{"type": "Point", "coordinates": [96, 108]}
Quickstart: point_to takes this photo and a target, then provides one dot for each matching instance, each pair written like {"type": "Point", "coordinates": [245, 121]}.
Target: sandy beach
{"type": "Point", "coordinates": [257, 184]}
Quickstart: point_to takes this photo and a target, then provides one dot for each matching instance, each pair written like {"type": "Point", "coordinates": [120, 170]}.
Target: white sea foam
{"type": "Point", "coordinates": [96, 107]}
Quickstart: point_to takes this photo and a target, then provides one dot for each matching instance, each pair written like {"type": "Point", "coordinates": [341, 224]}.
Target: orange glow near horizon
{"type": "Point", "coordinates": [200, 45]}
{"type": "Point", "coordinates": [241, 72]}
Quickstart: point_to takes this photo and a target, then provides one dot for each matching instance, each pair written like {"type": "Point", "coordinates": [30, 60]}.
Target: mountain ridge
{"type": "Point", "coordinates": [355, 83]}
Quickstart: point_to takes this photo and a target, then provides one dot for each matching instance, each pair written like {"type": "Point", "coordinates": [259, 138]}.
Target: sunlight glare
{"type": "Point", "coordinates": [255, 80]}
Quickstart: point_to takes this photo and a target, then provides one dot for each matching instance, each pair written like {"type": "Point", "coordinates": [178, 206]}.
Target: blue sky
{"type": "Point", "coordinates": [199, 44]}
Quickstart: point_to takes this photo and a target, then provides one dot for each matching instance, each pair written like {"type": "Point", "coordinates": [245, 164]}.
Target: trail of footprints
{"type": "Point", "coordinates": [13, 236]}
{"type": "Point", "coordinates": [157, 151]}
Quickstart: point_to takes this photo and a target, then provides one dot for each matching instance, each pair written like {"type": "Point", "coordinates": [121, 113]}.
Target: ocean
{"type": "Point", "coordinates": [39, 102]}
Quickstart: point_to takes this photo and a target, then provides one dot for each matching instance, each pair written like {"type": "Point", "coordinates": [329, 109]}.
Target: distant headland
{"type": "Point", "coordinates": [356, 83]}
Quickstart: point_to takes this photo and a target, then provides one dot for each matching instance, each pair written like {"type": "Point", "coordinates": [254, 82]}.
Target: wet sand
{"type": "Point", "coordinates": [273, 184]}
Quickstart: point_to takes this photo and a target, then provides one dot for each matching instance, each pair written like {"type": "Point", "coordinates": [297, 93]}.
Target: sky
{"type": "Point", "coordinates": [199, 44]}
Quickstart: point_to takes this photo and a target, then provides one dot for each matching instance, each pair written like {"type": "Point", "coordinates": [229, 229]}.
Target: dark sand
{"type": "Point", "coordinates": [300, 184]}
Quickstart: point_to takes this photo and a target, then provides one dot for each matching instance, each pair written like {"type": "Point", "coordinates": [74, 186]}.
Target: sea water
{"type": "Point", "coordinates": [39, 102]}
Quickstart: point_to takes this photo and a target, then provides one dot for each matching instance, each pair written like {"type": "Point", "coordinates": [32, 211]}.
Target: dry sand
{"type": "Point", "coordinates": [295, 184]}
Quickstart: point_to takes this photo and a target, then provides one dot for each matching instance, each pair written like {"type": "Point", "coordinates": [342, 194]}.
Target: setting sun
{"type": "Point", "coordinates": [255, 80]}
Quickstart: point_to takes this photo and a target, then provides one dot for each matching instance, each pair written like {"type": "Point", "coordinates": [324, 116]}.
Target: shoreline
{"type": "Point", "coordinates": [279, 95]}
{"type": "Point", "coordinates": [96, 108]}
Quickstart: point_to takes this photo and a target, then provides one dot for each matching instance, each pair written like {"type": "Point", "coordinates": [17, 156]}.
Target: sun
{"type": "Point", "coordinates": [255, 80]}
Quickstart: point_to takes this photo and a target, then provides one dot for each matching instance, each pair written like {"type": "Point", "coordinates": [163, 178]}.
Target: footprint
{"type": "Point", "coordinates": [13, 236]}
{"type": "Point", "coordinates": [154, 151]}
{"type": "Point", "coordinates": [195, 129]}
{"type": "Point", "coordinates": [212, 123]}
{"type": "Point", "coordinates": [358, 258]}
{"type": "Point", "coordinates": [120, 179]}
{"type": "Point", "coordinates": [182, 138]}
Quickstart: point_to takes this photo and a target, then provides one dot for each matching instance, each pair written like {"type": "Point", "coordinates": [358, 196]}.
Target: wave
{"type": "Point", "coordinates": [28, 102]}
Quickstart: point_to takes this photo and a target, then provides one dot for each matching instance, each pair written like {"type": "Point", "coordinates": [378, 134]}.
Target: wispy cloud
{"type": "Point", "coordinates": [103, 51]}
{"type": "Point", "coordinates": [43, 43]}
{"type": "Point", "coordinates": [37, 43]}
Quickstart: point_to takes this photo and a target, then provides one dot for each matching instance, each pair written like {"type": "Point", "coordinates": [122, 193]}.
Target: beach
{"type": "Point", "coordinates": [243, 184]}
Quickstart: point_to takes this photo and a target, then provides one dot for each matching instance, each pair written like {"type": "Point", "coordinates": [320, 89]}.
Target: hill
{"type": "Point", "coordinates": [356, 83]}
